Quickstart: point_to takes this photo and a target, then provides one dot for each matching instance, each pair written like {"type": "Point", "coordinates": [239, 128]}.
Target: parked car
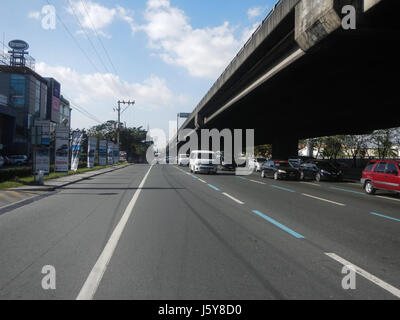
{"type": "Point", "coordinates": [17, 160]}
{"type": "Point", "coordinates": [256, 163]}
{"type": "Point", "coordinates": [183, 160]}
{"type": "Point", "coordinates": [308, 171]}
{"type": "Point", "coordinates": [203, 162]}
{"type": "Point", "coordinates": [326, 171]}
{"type": "Point", "coordinates": [279, 170]}
{"type": "Point", "coordinates": [2, 161]}
{"type": "Point", "coordinates": [381, 175]}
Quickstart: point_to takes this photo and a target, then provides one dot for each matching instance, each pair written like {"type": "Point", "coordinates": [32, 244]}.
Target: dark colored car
{"type": "Point", "coordinates": [326, 171]}
{"type": "Point", "coordinates": [308, 171]}
{"type": "Point", "coordinates": [224, 166]}
{"type": "Point", "coordinates": [279, 170]}
{"type": "Point", "coordinates": [381, 175]}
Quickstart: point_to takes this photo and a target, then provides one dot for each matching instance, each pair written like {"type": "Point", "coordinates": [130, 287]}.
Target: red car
{"type": "Point", "coordinates": [381, 175]}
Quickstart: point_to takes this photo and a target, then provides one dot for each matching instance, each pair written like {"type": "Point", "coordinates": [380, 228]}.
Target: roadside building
{"type": "Point", "coordinates": [23, 99]}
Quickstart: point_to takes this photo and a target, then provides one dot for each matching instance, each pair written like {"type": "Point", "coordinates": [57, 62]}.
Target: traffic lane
{"type": "Point", "coordinates": [66, 230]}
{"type": "Point", "coordinates": [369, 240]}
{"type": "Point", "coordinates": [349, 194]}
{"type": "Point", "coordinates": [187, 240]}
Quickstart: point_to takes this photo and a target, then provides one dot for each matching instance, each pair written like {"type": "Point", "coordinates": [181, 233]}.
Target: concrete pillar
{"type": "Point", "coordinates": [284, 148]}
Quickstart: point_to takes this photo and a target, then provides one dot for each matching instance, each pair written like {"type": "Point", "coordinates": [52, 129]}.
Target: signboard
{"type": "Point", "coordinates": [45, 132]}
{"type": "Point", "coordinates": [103, 153]}
{"type": "Point", "coordinates": [18, 45]}
{"type": "Point", "coordinates": [92, 146]}
{"type": "Point", "coordinates": [77, 138]}
{"type": "Point", "coordinates": [62, 149]}
{"type": "Point", "coordinates": [42, 160]}
{"type": "Point", "coordinates": [110, 153]}
{"type": "Point", "coordinates": [184, 115]}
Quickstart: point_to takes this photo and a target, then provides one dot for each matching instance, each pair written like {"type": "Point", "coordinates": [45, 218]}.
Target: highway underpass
{"type": "Point", "coordinates": [301, 75]}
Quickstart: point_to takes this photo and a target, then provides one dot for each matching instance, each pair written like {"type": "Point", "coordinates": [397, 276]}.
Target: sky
{"type": "Point", "coordinates": [164, 54]}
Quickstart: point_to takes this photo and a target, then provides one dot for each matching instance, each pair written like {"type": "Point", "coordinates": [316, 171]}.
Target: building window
{"type": "Point", "coordinates": [17, 90]}
{"type": "Point", "coordinates": [37, 98]}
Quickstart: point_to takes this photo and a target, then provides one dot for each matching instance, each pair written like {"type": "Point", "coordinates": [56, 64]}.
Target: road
{"type": "Point", "coordinates": [162, 233]}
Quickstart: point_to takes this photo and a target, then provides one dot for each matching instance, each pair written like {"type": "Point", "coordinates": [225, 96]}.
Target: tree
{"type": "Point", "coordinates": [383, 142]}
{"type": "Point", "coordinates": [263, 151]}
{"type": "Point", "coordinates": [355, 146]}
{"type": "Point", "coordinates": [333, 147]}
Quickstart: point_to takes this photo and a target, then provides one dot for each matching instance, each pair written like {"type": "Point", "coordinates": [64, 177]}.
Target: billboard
{"type": "Point", "coordinates": [62, 149]}
{"type": "Point", "coordinates": [102, 153]}
{"type": "Point", "coordinates": [110, 153]}
{"type": "Point", "coordinates": [42, 160]}
{"type": "Point", "coordinates": [92, 146]}
{"type": "Point", "coordinates": [77, 138]}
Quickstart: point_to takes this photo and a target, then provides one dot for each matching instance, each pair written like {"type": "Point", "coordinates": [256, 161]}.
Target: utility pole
{"type": "Point", "coordinates": [129, 103]}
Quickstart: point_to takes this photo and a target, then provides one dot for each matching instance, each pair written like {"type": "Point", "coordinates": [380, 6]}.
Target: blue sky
{"type": "Point", "coordinates": [165, 54]}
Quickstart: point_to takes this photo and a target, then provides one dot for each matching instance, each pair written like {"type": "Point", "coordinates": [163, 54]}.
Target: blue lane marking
{"type": "Point", "coordinates": [194, 177]}
{"type": "Point", "coordinates": [215, 188]}
{"type": "Point", "coordinates": [241, 178]}
{"type": "Point", "coordinates": [276, 223]}
{"type": "Point", "coordinates": [387, 217]}
{"type": "Point", "coordinates": [281, 188]}
{"type": "Point", "coordinates": [347, 190]}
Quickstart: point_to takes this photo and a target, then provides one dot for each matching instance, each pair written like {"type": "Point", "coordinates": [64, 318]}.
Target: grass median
{"type": "Point", "coordinates": [30, 181]}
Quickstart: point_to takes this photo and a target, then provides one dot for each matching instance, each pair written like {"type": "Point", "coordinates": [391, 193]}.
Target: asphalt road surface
{"type": "Point", "coordinates": [162, 233]}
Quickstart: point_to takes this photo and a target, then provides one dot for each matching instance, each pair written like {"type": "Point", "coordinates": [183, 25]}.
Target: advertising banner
{"type": "Point", "coordinates": [62, 149]}
{"type": "Point", "coordinates": [77, 138]}
{"type": "Point", "coordinates": [116, 154]}
{"type": "Point", "coordinates": [110, 153]}
{"type": "Point", "coordinates": [92, 146]}
{"type": "Point", "coordinates": [42, 160]}
{"type": "Point", "coordinates": [103, 153]}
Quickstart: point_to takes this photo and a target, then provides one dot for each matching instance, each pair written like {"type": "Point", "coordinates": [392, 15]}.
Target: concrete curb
{"type": "Point", "coordinates": [79, 179]}
{"type": "Point", "coordinates": [24, 202]}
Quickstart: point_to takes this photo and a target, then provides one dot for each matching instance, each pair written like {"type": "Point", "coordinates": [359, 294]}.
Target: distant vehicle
{"type": "Point", "coordinates": [203, 162]}
{"type": "Point", "coordinates": [183, 160]}
{"type": "Point", "coordinates": [256, 163]}
{"type": "Point", "coordinates": [381, 175]}
{"type": "Point", "coordinates": [2, 161]}
{"type": "Point", "coordinates": [279, 170]}
{"type": "Point", "coordinates": [225, 166]}
{"type": "Point", "coordinates": [326, 171]}
{"type": "Point", "coordinates": [17, 160]}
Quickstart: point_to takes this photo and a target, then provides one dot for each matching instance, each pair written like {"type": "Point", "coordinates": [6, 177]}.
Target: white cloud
{"type": "Point", "coordinates": [34, 15]}
{"type": "Point", "coordinates": [97, 92]}
{"type": "Point", "coordinates": [94, 16]}
{"type": "Point", "coordinates": [202, 52]}
{"type": "Point", "coordinates": [255, 12]}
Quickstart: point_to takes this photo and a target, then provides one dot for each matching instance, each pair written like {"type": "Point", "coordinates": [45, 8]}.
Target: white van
{"type": "Point", "coordinates": [183, 160]}
{"type": "Point", "coordinates": [203, 162]}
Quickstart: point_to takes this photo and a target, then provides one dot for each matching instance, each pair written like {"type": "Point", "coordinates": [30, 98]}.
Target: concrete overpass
{"type": "Point", "coordinates": [303, 75]}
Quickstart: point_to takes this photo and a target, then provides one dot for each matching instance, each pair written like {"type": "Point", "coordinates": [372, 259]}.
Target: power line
{"type": "Point", "coordinates": [98, 37]}
{"type": "Point", "coordinates": [74, 39]}
{"type": "Point", "coordinates": [87, 36]}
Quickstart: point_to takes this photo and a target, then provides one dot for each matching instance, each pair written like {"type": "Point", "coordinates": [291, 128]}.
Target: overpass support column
{"type": "Point", "coordinates": [285, 147]}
